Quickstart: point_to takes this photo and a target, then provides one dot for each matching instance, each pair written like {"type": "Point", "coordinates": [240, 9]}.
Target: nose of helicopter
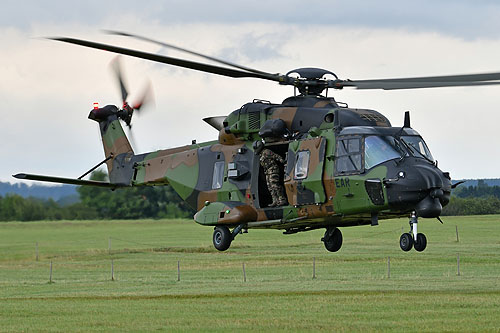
{"type": "Point", "coordinates": [419, 186]}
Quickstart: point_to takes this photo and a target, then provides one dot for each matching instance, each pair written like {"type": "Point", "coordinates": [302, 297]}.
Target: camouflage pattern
{"type": "Point", "coordinates": [273, 165]}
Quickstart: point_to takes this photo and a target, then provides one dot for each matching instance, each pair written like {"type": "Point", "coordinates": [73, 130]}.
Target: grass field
{"type": "Point", "coordinates": [351, 292]}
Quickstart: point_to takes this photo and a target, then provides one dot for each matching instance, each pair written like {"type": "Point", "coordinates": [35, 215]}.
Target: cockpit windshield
{"type": "Point", "coordinates": [379, 149]}
{"type": "Point", "coordinates": [356, 153]}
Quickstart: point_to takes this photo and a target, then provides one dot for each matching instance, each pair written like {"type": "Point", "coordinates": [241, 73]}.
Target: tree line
{"type": "Point", "coordinates": [99, 203]}
{"type": "Point", "coordinates": [474, 200]}
{"type": "Point", "coordinates": [163, 202]}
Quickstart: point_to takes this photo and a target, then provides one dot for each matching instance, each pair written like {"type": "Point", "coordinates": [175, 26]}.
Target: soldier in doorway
{"type": "Point", "coordinates": [272, 164]}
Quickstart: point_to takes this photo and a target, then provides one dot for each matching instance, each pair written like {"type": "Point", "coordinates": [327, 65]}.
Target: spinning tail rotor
{"type": "Point", "coordinates": [127, 110]}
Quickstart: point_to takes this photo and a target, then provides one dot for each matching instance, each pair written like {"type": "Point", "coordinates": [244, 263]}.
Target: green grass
{"type": "Point", "coordinates": [351, 291]}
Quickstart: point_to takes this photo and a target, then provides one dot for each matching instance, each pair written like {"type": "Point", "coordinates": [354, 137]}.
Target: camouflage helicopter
{"type": "Point", "coordinates": [341, 166]}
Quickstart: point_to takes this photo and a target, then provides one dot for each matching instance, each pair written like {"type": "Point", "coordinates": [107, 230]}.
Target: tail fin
{"type": "Point", "coordinates": [116, 144]}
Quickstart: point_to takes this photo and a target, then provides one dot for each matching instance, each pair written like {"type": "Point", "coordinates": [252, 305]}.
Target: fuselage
{"type": "Point", "coordinates": [343, 167]}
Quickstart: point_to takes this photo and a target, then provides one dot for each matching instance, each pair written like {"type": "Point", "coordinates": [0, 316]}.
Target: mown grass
{"type": "Point", "coordinates": [351, 290]}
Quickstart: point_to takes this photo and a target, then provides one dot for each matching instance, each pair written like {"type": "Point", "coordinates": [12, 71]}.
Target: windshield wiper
{"type": "Point", "coordinates": [415, 150]}
{"type": "Point", "coordinates": [402, 152]}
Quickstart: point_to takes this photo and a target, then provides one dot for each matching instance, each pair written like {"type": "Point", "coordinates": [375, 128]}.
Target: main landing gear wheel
{"type": "Point", "coordinates": [222, 238]}
{"type": "Point", "coordinates": [406, 242]}
{"type": "Point", "coordinates": [421, 242]}
{"type": "Point", "coordinates": [332, 239]}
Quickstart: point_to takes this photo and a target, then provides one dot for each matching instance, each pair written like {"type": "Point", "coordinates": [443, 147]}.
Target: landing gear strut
{"type": "Point", "coordinates": [222, 237]}
{"type": "Point", "coordinates": [413, 238]}
{"type": "Point", "coordinates": [332, 239]}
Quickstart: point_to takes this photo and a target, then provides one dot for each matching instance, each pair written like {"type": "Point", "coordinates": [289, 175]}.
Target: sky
{"type": "Point", "coordinates": [47, 88]}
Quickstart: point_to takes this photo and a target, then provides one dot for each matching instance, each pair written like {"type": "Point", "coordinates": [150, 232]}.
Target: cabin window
{"type": "Point", "coordinates": [348, 156]}
{"type": "Point", "coordinates": [218, 175]}
{"type": "Point", "coordinates": [302, 164]}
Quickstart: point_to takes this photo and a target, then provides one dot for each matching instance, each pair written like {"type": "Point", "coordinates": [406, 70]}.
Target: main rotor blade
{"type": "Point", "coordinates": [391, 85]}
{"type": "Point", "coordinates": [171, 61]}
{"type": "Point", "coordinates": [424, 82]}
{"type": "Point", "coordinates": [443, 78]}
{"type": "Point", "coordinates": [147, 39]}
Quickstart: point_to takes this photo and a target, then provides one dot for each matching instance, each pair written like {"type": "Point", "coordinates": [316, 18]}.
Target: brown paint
{"type": "Point", "coordinates": [120, 146]}
{"type": "Point", "coordinates": [228, 138]}
{"type": "Point", "coordinates": [285, 114]}
{"type": "Point", "coordinates": [239, 214]}
{"type": "Point", "coordinates": [210, 196]}
{"type": "Point", "coordinates": [321, 104]}
{"type": "Point", "coordinates": [157, 168]}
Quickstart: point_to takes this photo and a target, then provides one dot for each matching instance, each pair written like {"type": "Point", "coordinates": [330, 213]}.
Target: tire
{"type": "Point", "coordinates": [421, 242]}
{"type": "Point", "coordinates": [333, 239]}
{"type": "Point", "coordinates": [222, 238]}
{"type": "Point", "coordinates": [406, 242]}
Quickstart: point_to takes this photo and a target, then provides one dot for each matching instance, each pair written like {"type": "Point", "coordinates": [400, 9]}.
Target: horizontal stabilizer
{"type": "Point", "coordinates": [51, 179]}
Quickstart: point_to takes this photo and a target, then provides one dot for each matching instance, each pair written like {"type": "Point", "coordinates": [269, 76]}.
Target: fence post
{"type": "Point", "coordinates": [244, 274]}
{"type": "Point", "coordinates": [314, 267]}
{"type": "Point", "coordinates": [50, 276]}
{"type": "Point", "coordinates": [36, 250]}
{"type": "Point", "coordinates": [388, 267]}
{"type": "Point", "coordinates": [456, 229]}
{"type": "Point", "coordinates": [112, 271]}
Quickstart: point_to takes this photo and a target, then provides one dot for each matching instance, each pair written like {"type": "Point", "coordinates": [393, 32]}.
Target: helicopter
{"type": "Point", "coordinates": [341, 166]}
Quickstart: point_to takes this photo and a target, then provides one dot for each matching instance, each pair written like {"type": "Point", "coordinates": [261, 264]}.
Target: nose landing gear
{"type": "Point", "coordinates": [413, 238]}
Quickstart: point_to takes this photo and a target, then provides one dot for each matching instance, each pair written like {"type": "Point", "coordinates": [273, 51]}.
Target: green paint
{"type": "Point", "coordinates": [290, 212]}
{"type": "Point", "coordinates": [209, 215]}
{"type": "Point", "coordinates": [113, 133]}
{"type": "Point", "coordinates": [183, 179]}
{"type": "Point", "coordinates": [152, 155]}
{"type": "Point", "coordinates": [351, 196]}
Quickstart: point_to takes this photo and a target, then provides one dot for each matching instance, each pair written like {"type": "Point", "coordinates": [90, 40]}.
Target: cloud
{"type": "Point", "coordinates": [47, 88]}
{"type": "Point", "coordinates": [459, 18]}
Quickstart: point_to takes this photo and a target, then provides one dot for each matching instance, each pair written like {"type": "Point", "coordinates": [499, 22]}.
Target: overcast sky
{"type": "Point", "coordinates": [47, 88]}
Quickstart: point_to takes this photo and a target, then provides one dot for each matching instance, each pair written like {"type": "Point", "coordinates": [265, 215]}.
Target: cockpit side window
{"type": "Point", "coordinates": [348, 156]}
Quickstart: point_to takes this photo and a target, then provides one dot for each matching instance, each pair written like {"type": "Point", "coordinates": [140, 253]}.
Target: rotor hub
{"type": "Point", "coordinates": [311, 80]}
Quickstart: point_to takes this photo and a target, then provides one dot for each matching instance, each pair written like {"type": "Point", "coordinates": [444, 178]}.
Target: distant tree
{"type": "Point", "coordinates": [16, 208]}
{"type": "Point", "coordinates": [99, 203]}
{"type": "Point", "coordinates": [132, 203]}
{"type": "Point", "coordinates": [480, 191]}
{"type": "Point", "coordinates": [472, 206]}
